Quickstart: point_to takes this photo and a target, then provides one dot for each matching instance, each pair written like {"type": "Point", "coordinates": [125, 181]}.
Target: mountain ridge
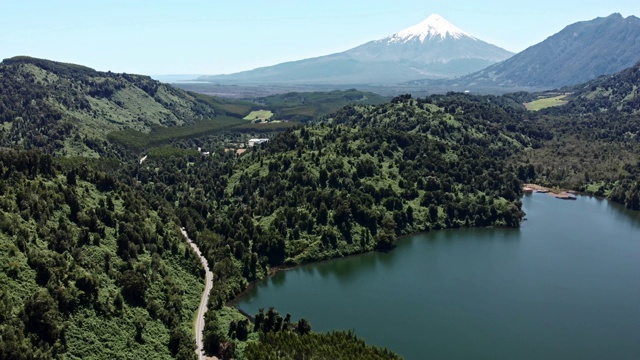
{"type": "Point", "coordinates": [433, 48]}
{"type": "Point", "coordinates": [578, 53]}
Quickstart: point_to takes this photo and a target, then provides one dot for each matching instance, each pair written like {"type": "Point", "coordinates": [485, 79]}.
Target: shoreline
{"type": "Point", "coordinates": [276, 269]}
{"type": "Point", "coordinates": [526, 189]}
{"type": "Point", "coordinates": [557, 193]}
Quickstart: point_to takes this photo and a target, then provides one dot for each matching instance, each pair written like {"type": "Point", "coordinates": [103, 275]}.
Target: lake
{"type": "Point", "coordinates": [566, 285]}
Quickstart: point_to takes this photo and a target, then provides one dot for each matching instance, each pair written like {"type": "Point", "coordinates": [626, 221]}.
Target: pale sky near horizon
{"type": "Point", "coordinates": [156, 37]}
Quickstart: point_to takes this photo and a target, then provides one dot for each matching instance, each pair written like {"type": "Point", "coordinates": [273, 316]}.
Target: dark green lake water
{"type": "Point", "coordinates": [566, 285]}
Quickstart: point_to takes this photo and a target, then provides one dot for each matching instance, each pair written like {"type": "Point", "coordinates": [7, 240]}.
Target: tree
{"type": "Point", "coordinates": [384, 240]}
{"type": "Point", "coordinates": [242, 330]}
{"type": "Point", "coordinates": [41, 317]}
{"type": "Point", "coordinates": [118, 302]}
{"type": "Point", "coordinates": [323, 214]}
{"type": "Point", "coordinates": [258, 320]}
{"type": "Point", "coordinates": [633, 200]}
{"type": "Point", "coordinates": [324, 176]}
{"type": "Point", "coordinates": [388, 223]}
{"type": "Point", "coordinates": [303, 327]}
{"type": "Point", "coordinates": [139, 322]}
{"type": "Point", "coordinates": [89, 284]}
{"type": "Point", "coordinates": [210, 335]}
{"type": "Point", "coordinates": [71, 178]}
{"type": "Point", "coordinates": [134, 287]}
{"type": "Point", "coordinates": [273, 321]}
{"type": "Point", "coordinates": [181, 344]}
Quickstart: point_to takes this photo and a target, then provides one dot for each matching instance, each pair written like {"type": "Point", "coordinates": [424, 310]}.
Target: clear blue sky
{"type": "Point", "coordinates": [212, 37]}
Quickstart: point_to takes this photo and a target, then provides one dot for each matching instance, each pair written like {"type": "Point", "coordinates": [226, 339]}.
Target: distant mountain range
{"type": "Point", "coordinates": [175, 78]}
{"type": "Point", "coordinates": [579, 53]}
{"type": "Point", "coordinates": [433, 48]}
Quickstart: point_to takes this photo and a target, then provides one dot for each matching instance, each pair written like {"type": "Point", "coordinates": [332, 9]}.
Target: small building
{"type": "Point", "coordinates": [253, 142]}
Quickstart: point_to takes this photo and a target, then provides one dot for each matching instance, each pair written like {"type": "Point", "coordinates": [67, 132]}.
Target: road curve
{"type": "Point", "coordinates": [199, 324]}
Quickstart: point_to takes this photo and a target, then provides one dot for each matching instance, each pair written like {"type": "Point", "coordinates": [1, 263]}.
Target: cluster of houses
{"type": "Point", "coordinates": [203, 153]}
{"type": "Point", "coordinates": [238, 148]}
{"type": "Point", "coordinates": [253, 142]}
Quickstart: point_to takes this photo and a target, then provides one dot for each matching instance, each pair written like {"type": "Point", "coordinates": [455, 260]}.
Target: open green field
{"type": "Point", "coordinates": [545, 103]}
{"type": "Point", "coordinates": [262, 115]}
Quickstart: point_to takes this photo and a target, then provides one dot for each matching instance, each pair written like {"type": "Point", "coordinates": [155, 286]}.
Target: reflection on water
{"type": "Point", "coordinates": [352, 268]}
{"type": "Point", "coordinates": [278, 280]}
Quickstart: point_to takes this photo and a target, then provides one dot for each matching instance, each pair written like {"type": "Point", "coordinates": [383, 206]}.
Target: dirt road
{"type": "Point", "coordinates": [199, 323]}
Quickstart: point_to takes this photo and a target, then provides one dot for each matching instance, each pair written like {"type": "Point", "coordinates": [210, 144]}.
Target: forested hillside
{"type": "Point", "coordinates": [94, 265]}
{"type": "Point", "coordinates": [69, 109]}
{"type": "Point", "coordinates": [595, 142]}
{"type": "Point", "coordinates": [333, 189]}
{"type": "Point", "coordinates": [618, 92]}
{"type": "Point", "coordinates": [90, 267]}
{"type": "Point", "coordinates": [308, 106]}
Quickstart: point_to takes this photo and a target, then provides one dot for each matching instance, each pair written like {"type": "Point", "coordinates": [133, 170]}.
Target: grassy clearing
{"type": "Point", "coordinates": [262, 115]}
{"type": "Point", "coordinates": [545, 103]}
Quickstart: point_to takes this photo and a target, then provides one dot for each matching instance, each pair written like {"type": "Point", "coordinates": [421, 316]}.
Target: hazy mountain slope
{"type": "Point", "coordinates": [580, 52]}
{"type": "Point", "coordinates": [433, 48]}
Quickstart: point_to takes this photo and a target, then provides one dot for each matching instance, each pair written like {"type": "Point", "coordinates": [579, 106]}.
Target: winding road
{"type": "Point", "coordinates": [199, 324]}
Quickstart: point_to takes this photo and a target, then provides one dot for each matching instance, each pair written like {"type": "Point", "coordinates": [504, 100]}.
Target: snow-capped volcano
{"type": "Point", "coordinates": [434, 48]}
{"type": "Point", "coordinates": [432, 27]}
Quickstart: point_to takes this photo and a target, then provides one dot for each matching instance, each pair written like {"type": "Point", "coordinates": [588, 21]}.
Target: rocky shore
{"type": "Point", "coordinates": [559, 194]}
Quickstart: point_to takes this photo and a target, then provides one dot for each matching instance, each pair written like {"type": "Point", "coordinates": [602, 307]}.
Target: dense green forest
{"type": "Point", "coordinates": [93, 262]}
{"type": "Point", "coordinates": [90, 267]}
{"type": "Point", "coordinates": [308, 106]}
